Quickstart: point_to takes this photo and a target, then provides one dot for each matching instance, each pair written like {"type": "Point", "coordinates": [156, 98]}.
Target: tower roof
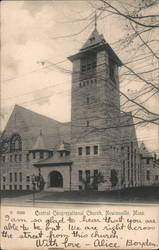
{"type": "Point", "coordinates": [94, 43]}
{"type": "Point", "coordinates": [94, 39]}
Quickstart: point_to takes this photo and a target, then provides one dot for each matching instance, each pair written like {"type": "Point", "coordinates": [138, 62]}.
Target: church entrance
{"type": "Point", "coordinates": [56, 179]}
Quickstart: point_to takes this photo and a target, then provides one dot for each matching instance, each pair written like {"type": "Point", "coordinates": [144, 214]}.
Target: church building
{"type": "Point", "coordinates": [97, 150]}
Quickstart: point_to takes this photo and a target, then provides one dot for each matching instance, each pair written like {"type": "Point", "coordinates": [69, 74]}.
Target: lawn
{"type": "Point", "coordinates": [139, 194]}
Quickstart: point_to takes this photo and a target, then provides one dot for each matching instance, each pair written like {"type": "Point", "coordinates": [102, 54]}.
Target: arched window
{"type": "Point", "coordinates": [15, 143]}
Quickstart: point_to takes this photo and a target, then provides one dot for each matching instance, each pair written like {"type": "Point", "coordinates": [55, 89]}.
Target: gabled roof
{"type": "Point", "coordinates": [33, 119]}
{"type": "Point", "coordinates": [144, 151]}
{"type": "Point", "coordinates": [29, 123]}
{"type": "Point", "coordinates": [127, 128]}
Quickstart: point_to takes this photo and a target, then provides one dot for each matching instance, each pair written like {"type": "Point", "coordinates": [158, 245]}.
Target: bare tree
{"type": "Point", "coordinates": [141, 36]}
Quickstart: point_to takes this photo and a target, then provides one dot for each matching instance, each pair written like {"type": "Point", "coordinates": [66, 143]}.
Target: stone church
{"type": "Point", "coordinates": [97, 150]}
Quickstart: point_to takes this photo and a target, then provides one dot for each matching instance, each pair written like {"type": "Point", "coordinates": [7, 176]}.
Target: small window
{"type": "Point", "coordinates": [148, 175]}
{"type": "Point", "coordinates": [128, 174]}
{"type": "Point", "coordinates": [15, 157]}
{"type": "Point", "coordinates": [80, 187]}
{"type": "Point", "coordinates": [27, 157]}
{"type": "Point", "coordinates": [87, 123]}
{"type": "Point", "coordinates": [87, 150]}
{"type": "Point", "coordinates": [83, 68]}
{"type": "Point", "coordinates": [156, 177]}
{"type": "Point", "coordinates": [20, 177]}
{"type": "Point", "coordinates": [87, 100]}
{"type": "Point", "coordinates": [94, 65]}
{"type": "Point", "coordinates": [11, 157]}
{"type": "Point", "coordinates": [92, 39]}
{"type": "Point", "coordinates": [28, 187]}
{"type": "Point", "coordinates": [95, 150]}
{"type": "Point", "coordinates": [96, 172]}
{"type": "Point", "coordinates": [147, 161]}
{"type": "Point", "coordinates": [10, 177]}
{"type": "Point", "coordinates": [4, 178]}
{"type": "Point", "coordinates": [50, 153]}
{"type": "Point", "coordinates": [20, 187]}
{"type": "Point", "coordinates": [41, 155]}
{"type": "Point", "coordinates": [34, 155]}
{"type": "Point", "coordinates": [112, 70]}
{"type": "Point", "coordinates": [88, 176]}
{"type": "Point", "coordinates": [80, 84]}
{"type": "Point", "coordinates": [4, 187]}
{"type": "Point", "coordinates": [3, 158]}
{"type": "Point", "coordinates": [87, 82]}
{"type": "Point", "coordinates": [28, 178]}
{"type": "Point", "coordinates": [10, 187]}
{"type": "Point", "coordinates": [80, 175]}
{"type": "Point", "coordinates": [80, 151]}
{"type": "Point", "coordinates": [15, 187]}
{"type": "Point", "coordinates": [15, 176]}
{"type": "Point", "coordinates": [61, 153]}
{"type": "Point", "coordinates": [20, 157]}
{"type": "Point", "coordinates": [88, 67]}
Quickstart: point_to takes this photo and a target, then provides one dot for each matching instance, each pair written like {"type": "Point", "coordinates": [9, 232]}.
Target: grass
{"type": "Point", "coordinates": [142, 194]}
{"type": "Point", "coordinates": [14, 193]}
{"type": "Point", "coordinates": [138, 194]}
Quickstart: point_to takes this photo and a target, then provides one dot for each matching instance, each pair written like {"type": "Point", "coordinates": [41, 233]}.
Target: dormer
{"type": "Point", "coordinates": [39, 150]}
{"type": "Point", "coordinates": [64, 149]}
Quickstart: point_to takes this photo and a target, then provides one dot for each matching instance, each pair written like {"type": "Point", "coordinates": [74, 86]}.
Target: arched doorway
{"type": "Point", "coordinates": [56, 179]}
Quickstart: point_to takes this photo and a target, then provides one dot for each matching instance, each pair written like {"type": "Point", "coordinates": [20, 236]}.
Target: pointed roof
{"type": "Point", "coordinates": [94, 39]}
{"type": "Point", "coordinates": [94, 43]}
{"type": "Point", "coordinates": [39, 143]}
{"type": "Point", "coordinates": [144, 151]}
{"type": "Point", "coordinates": [29, 124]}
{"type": "Point", "coordinates": [127, 128]}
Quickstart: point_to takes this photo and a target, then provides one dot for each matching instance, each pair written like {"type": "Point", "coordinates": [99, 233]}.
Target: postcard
{"type": "Point", "coordinates": [79, 136]}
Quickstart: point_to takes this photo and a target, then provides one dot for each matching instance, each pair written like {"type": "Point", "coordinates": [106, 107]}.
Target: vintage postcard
{"type": "Point", "coordinates": [79, 136]}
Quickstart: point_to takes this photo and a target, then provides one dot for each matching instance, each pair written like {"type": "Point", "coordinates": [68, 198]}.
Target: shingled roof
{"type": "Point", "coordinates": [96, 42]}
{"type": "Point", "coordinates": [39, 143]}
{"type": "Point", "coordinates": [127, 128]}
{"type": "Point", "coordinates": [94, 39]}
{"type": "Point", "coordinates": [30, 123]}
{"type": "Point", "coordinates": [56, 160]}
{"type": "Point", "coordinates": [144, 151]}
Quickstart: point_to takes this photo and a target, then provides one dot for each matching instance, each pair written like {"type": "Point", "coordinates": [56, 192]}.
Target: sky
{"type": "Point", "coordinates": [50, 31]}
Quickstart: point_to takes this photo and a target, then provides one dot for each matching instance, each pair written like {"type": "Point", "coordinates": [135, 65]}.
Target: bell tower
{"type": "Point", "coordinates": [95, 111]}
